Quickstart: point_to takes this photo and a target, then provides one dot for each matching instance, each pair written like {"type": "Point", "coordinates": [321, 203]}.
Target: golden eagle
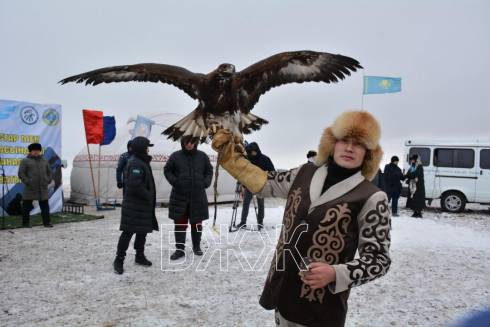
{"type": "Point", "coordinates": [225, 96]}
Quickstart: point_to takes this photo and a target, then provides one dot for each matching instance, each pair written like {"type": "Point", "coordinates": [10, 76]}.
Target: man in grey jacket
{"type": "Point", "coordinates": [35, 174]}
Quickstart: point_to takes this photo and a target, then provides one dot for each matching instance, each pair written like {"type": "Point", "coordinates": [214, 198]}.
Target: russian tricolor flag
{"type": "Point", "coordinates": [99, 129]}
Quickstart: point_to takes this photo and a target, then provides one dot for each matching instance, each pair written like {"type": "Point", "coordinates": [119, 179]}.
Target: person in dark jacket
{"type": "Point", "coordinates": [392, 182]}
{"type": "Point", "coordinates": [121, 165]}
{"type": "Point", "coordinates": [416, 187]}
{"type": "Point", "coordinates": [35, 174]}
{"type": "Point", "coordinates": [378, 180]}
{"type": "Point", "coordinates": [190, 173]}
{"type": "Point", "coordinates": [263, 162]}
{"type": "Point", "coordinates": [311, 156]}
{"type": "Point", "coordinates": [138, 206]}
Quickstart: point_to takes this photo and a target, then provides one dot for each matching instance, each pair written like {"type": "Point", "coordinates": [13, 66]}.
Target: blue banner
{"type": "Point", "coordinates": [23, 123]}
{"type": "Point", "coordinates": [380, 84]}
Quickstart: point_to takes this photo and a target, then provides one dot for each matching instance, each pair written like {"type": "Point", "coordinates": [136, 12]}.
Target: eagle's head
{"type": "Point", "coordinates": [225, 71]}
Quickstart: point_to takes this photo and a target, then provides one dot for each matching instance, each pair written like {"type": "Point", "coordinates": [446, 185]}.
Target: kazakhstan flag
{"type": "Point", "coordinates": [379, 84]}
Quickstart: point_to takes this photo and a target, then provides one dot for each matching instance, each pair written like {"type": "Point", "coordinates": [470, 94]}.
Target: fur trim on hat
{"type": "Point", "coordinates": [361, 126]}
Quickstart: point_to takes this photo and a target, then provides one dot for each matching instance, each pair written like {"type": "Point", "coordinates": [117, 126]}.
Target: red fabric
{"type": "Point", "coordinates": [94, 126]}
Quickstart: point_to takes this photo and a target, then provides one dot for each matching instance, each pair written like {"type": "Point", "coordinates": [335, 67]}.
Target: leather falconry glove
{"type": "Point", "coordinates": [234, 162]}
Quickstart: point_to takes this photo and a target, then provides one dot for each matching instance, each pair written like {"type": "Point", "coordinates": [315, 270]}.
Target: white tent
{"type": "Point", "coordinates": [82, 190]}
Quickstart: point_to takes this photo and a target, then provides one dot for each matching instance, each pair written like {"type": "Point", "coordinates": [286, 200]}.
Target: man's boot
{"type": "Point", "coordinates": [260, 224]}
{"type": "Point", "coordinates": [140, 259]}
{"type": "Point", "coordinates": [196, 233]}
{"type": "Point", "coordinates": [45, 215]}
{"type": "Point", "coordinates": [26, 220]}
{"type": "Point", "coordinates": [180, 245]}
{"type": "Point", "coordinates": [118, 265]}
{"type": "Point", "coordinates": [46, 220]}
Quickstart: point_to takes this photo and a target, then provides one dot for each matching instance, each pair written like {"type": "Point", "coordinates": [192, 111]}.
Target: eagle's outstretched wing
{"type": "Point", "coordinates": [291, 67]}
{"type": "Point", "coordinates": [180, 77]}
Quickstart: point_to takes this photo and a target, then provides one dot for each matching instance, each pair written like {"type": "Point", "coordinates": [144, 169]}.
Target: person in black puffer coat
{"type": "Point", "coordinates": [138, 206]}
{"type": "Point", "coordinates": [263, 162]}
{"type": "Point", "coordinates": [190, 173]}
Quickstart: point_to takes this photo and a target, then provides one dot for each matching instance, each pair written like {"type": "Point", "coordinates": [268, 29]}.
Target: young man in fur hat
{"type": "Point", "coordinates": [332, 211]}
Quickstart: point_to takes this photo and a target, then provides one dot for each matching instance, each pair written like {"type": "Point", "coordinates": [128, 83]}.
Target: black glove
{"type": "Point", "coordinates": [119, 185]}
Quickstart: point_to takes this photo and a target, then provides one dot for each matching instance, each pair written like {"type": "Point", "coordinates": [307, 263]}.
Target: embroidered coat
{"type": "Point", "coordinates": [350, 216]}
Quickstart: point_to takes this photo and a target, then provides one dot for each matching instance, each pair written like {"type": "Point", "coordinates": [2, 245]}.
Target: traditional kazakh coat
{"type": "Point", "coordinates": [350, 216]}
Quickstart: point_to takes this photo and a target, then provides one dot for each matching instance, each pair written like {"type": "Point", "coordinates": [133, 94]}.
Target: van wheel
{"type": "Point", "coordinates": [453, 202]}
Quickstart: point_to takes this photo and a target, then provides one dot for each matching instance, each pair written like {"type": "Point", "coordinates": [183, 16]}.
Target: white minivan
{"type": "Point", "coordinates": [457, 172]}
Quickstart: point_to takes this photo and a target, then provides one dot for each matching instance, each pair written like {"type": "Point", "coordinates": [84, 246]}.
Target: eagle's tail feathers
{"type": "Point", "coordinates": [188, 125]}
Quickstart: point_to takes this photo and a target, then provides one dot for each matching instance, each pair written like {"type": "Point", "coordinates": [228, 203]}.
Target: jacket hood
{"type": "Point", "coordinates": [253, 147]}
{"type": "Point", "coordinates": [140, 146]}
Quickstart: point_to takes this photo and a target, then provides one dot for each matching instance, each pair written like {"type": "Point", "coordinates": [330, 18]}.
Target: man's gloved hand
{"type": "Point", "coordinates": [119, 185]}
{"type": "Point", "coordinates": [251, 176]}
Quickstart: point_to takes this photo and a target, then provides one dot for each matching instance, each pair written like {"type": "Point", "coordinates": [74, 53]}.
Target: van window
{"type": "Point", "coordinates": [424, 154]}
{"type": "Point", "coordinates": [454, 158]}
{"type": "Point", "coordinates": [485, 159]}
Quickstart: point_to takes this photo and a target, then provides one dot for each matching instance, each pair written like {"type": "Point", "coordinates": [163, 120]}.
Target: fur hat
{"type": "Point", "coordinates": [361, 126]}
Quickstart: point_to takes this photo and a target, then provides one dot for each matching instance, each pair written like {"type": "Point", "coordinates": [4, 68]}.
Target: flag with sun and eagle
{"type": "Point", "coordinates": [380, 84]}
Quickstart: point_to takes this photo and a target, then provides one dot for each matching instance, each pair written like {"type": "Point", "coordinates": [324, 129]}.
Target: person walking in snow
{"type": "Point", "coordinates": [138, 206]}
{"type": "Point", "coordinates": [190, 173]}
{"type": "Point", "coordinates": [332, 211]}
{"type": "Point", "coordinates": [262, 161]}
{"type": "Point", "coordinates": [392, 181]}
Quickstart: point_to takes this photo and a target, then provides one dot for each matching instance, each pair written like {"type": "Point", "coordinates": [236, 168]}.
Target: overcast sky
{"type": "Point", "coordinates": [441, 50]}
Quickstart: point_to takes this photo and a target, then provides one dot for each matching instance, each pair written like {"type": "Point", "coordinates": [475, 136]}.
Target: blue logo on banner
{"type": "Point", "coordinates": [29, 115]}
{"type": "Point", "coordinates": [51, 117]}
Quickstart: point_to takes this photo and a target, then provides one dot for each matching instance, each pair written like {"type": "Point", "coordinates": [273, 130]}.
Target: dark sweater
{"type": "Point", "coordinates": [336, 174]}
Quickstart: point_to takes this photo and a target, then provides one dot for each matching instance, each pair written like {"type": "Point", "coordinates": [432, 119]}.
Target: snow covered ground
{"type": "Point", "coordinates": [63, 276]}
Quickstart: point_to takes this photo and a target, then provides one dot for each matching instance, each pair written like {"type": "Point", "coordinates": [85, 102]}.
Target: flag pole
{"type": "Point", "coordinates": [98, 178]}
{"type": "Point", "coordinates": [363, 82]}
{"type": "Point", "coordinates": [91, 172]}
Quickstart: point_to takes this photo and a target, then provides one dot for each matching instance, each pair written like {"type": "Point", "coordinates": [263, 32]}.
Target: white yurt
{"type": "Point", "coordinates": [104, 166]}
